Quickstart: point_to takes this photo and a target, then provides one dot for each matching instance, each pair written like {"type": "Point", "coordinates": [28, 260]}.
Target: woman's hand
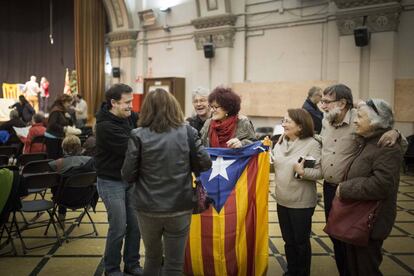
{"type": "Point", "coordinates": [299, 167]}
{"type": "Point", "coordinates": [234, 143]}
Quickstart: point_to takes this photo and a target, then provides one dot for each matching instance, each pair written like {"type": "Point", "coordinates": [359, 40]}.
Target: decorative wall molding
{"type": "Point", "coordinates": [121, 35]}
{"type": "Point", "coordinates": [380, 18]}
{"type": "Point", "coordinates": [221, 38]}
{"type": "Point", "coordinates": [122, 44]}
{"type": "Point", "coordinates": [345, 4]}
{"type": "Point", "coordinates": [214, 21]}
{"type": "Point", "coordinates": [118, 14]}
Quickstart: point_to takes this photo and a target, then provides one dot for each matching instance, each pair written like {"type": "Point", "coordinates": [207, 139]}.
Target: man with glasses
{"type": "Point", "coordinates": [114, 122]}
{"type": "Point", "coordinates": [201, 108]}
{"type": "Point", "coordinates": [311, 105]}
{"type": "Point", "coordinates": [339, 144]}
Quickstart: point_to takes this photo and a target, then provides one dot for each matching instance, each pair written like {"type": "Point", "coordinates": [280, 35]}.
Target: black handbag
{"type": "Point", "coordinates": [201, 201]}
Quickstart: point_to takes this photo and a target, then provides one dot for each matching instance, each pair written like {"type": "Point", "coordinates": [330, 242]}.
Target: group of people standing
{"type": "Point", "coordinates": [144, 172]}
{"type": "Point", "coordinates": [358, 155]}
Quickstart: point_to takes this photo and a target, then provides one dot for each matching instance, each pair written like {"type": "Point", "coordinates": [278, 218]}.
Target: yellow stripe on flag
{"type": "Point", "coordinates": [218, 242]}
{"type": "Point", "coordinates": [262, 188]}
{"type": "Point", "coordinates": [241, 203]}
{"type": "Point", "coordinates": [195, 245]}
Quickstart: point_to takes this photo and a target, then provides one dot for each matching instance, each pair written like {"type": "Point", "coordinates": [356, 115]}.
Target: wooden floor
{"type": "Point", "coordinates": [83, 256]}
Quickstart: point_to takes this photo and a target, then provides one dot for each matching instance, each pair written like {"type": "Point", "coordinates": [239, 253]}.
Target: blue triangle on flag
{"type": "Point", "coordinates": [228, 165]}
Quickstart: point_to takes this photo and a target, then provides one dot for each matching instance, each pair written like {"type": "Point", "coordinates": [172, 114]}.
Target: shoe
{"type": "Point", "coordinates": [135, 271]}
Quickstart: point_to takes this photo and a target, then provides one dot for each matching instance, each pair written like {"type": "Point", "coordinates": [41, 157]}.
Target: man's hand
{"type": "Point", "coordinates": [389, 138]}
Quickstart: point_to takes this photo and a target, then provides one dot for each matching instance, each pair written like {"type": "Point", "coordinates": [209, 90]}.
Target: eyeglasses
{"type": "Point", "coordinates": [327, 101]}
{"type": "Point", "coordinates": [371, 104]}
{"type": "Point", "coordinates": [214, 107]}
{"type": "Point", "coordinates": [285, 121]}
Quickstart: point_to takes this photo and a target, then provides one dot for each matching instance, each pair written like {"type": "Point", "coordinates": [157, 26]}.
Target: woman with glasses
{"type": "Point", "coordinates": [373, 175]}
{"type": "Point", "coordinates": [295, 181]}
{"type": "Point", "coordinates": [226, 128]}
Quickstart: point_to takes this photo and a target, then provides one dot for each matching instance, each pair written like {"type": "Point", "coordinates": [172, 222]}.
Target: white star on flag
{"type": "Point", "coordinates": [219, 167]}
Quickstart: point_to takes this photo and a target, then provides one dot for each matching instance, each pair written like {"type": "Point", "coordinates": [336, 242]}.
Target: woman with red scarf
{"type": "Point", "coordinates": [226, 128]}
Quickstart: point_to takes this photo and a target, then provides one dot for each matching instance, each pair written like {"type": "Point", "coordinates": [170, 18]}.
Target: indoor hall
{"type": "Point", "coordinates": [270, 53]}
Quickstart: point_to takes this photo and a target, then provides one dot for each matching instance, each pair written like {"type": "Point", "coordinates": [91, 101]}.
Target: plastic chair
{"type": "Point", "coordinates": [39, 181]}
{"type": "Point", "coordinates": [4, 160]}
{"type": "Point", "coordinates": [9, 151]}
{"type": "Point", "coordinates": [38, 140]}
{"type": "Point", "coordinates": [38, 166]}
{"type": "Point", "coordinates": [85, 184]}
{"type": "Point", "coordinates": [25, 158]}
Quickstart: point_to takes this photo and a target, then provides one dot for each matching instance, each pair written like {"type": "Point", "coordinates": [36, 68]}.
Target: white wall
{"type": "Point", "coordinates": [284, 43]}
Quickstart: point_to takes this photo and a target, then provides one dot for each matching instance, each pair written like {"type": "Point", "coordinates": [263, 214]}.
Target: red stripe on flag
{"type": "Point", "coordinates": [251, 214]}
{"type": "Point", "coordinates": [207, 241]}
{"type": "Point", "coordinates": [230, 231]}
{"type": "Point", "coordinates": [188, 267]}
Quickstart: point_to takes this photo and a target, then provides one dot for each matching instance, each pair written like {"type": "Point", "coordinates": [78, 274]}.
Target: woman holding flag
{"type": "Point", "coordinates": [226, 128]}
{"type": "Point", "coordinates": [296, 195]}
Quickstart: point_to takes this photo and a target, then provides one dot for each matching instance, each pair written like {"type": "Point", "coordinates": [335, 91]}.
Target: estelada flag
{"type": "Point", "coordinates": [231, 237]}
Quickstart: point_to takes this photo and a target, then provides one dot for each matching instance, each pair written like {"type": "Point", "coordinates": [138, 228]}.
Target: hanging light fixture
{"type": "Point", "coordinates": [51, 21]}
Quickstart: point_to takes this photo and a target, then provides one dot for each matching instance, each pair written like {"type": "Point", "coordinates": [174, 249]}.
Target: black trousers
{"type": "Point", "coordinates": [296, 225]}
{"type": "Point", "coordinates": [364, 261]}
{"type": "Point", "coordinates": [339, 246]}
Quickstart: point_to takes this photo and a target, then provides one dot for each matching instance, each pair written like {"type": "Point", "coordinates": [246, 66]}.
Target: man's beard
{"type": "Point", "coordinates": [333, 114]}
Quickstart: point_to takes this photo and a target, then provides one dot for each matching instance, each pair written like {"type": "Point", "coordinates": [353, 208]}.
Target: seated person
{"type": "Point", "coordinates": [14, 121]}
{"type": "Point", "coordinates": [38, 129]}
{"type": "Point", "coordinates": [89, 146]}
{"type": "Point", "coordinates": [73, 163]}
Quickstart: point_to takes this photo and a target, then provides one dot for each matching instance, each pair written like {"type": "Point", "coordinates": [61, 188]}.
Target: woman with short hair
{"type": "Point", "coordinates": [373, 175]}
{"type": "Point", "coordinates": [157, 162]}
{"type": "Point", "coordinates": [296, 195]}
{"type": "Point", "coordinates": [226, 128]}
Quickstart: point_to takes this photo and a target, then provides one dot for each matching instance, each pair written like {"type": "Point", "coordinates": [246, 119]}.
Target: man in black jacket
{"type": "Point", "coordinates": [310, 105]}
{"type": "Point", "coordinates": [114, 122]}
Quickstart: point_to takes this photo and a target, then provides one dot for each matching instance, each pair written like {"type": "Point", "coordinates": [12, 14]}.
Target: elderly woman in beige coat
{"type": "Point", "coordinates": [373, 175]}
{"type": "Point", "coordinates": [296, 195]}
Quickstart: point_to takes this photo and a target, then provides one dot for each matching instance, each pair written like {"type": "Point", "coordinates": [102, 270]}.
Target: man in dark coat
{"type": "Point", "coordinates": [114, 122]}
{"type": "Point", "coordinates": [311, 105]}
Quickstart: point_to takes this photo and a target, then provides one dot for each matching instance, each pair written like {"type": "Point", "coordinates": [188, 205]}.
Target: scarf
{"type": "Point", "coordinates": [222, 131]}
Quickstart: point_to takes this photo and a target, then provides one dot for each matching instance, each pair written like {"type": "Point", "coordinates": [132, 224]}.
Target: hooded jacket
{"type": "Point", "coordinates": [112, 134]}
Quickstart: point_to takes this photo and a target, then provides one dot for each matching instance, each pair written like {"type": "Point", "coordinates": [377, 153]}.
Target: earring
{"type": "Point", "coordinates": [227, 114]}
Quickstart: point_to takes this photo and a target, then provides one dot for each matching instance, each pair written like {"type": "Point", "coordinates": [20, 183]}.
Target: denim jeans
{"type": "Point", "coordinates": [174, 232]}
{"type": "Point", "coordinates": [123, 223]}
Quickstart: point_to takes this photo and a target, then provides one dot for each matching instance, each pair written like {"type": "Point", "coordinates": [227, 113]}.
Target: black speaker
{"type": "Point", "coordinates": [361, 35]}
{"type": "Point", "coordinates": [116, 72]}
{"type": "Point", "coordinates": [208, 50]}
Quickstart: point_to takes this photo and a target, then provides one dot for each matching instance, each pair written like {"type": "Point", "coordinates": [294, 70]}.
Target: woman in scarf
{"type": "Point", "coordinates": [226, 128]}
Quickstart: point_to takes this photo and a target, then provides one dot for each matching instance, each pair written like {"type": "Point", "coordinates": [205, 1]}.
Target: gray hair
{"type": "Point", "coordinates": [313, 90]}
{"type": "Point", "coordinates": [200, 91]}
{"type": "Point", "coordinates": [384, 118]}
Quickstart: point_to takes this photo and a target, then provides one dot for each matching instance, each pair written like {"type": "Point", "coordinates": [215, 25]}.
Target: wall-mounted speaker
{"type": "Point", "coordinates": [116, 72]}
{"type": "Point", "coordinates": [208, 50]}
{"type": "Point", "coordinates": [362, 36]}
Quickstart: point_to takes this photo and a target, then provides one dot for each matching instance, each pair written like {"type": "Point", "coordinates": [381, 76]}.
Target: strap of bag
{"type": "Point", "coordinates": [193, 155]}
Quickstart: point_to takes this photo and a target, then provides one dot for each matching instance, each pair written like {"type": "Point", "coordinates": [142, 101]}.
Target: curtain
{"type": "Point", "coordinates": [90, 51]}
{"type": "Point", "coordinates": [25, 47]}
